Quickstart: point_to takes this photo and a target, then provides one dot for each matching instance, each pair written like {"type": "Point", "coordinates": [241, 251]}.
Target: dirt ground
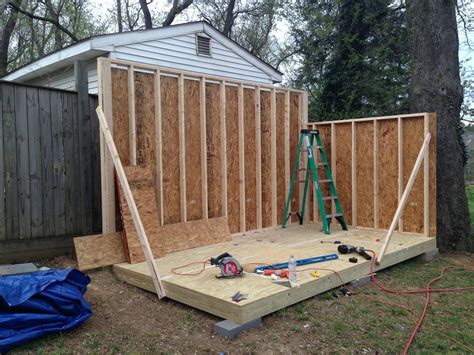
{"type": "Point", "coordinates": [127, 319]}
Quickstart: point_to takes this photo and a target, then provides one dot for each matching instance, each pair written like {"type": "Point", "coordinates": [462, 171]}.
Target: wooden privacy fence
{"type": "Point", "coordinates": [371, 160]}
{"type": "Point", "coordinates": [49, 164]}
{"type": "Point", "coordinates": [218, 147]}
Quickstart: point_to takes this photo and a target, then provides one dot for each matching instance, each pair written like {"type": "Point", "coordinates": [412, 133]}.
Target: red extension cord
{"type": "Point", "coordinates": [426, 291]}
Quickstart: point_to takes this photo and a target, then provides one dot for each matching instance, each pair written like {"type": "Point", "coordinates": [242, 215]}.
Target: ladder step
{"type": "Point", "coordinates": [325, 180]}
{"type": "Point", "coordinates": [321, 164]}
{"type": "Point", "coordinates": [329, 198]}
{"type": "Point", "coordinates": [333, 215]}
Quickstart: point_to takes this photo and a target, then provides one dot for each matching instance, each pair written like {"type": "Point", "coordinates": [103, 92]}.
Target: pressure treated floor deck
{"type": "Point", "coordinates": [213, 295]}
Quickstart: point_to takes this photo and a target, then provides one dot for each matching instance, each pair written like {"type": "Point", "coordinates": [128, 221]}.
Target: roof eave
{"type": "Point", "coordinates": [56, 60]}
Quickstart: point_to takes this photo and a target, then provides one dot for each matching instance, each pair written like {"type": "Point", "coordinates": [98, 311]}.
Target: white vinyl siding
{"type": "Point", "coordinates": [64, 78]}
{"type": "Point", "coordinates": [179, 52]}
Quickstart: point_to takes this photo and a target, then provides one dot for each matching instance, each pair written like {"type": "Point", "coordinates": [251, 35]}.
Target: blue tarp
{"type": "Point", "coordinates": [42, 302]}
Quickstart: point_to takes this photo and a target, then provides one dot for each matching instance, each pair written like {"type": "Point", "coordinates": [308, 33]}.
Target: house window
{"type": "Point", "coordinates": [203, 45]}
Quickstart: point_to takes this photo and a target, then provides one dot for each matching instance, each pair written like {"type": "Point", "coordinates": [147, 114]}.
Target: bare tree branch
{"type": "Point", "coordinates": [176, 10]}
{"type": "Point", "coordinates": [46, 19]}
{"type": "Point", "coordinates": [462, 15]}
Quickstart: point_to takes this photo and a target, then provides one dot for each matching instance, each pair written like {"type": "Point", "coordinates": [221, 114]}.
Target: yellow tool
{"type": "Point", "coordinates": [315, 274]}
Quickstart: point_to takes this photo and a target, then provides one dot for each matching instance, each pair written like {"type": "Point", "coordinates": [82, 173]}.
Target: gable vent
{"type": "Point", "coordinates": [203, 45]}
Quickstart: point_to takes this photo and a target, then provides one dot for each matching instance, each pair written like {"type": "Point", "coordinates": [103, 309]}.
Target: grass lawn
{"type": "Point", "coordinates": [470, 201]}
{"type": "Point", "coordinates": [129, 320]}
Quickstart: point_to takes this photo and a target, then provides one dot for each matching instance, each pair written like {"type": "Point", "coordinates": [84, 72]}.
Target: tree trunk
{"type": "Point", "coordinates": [6, 35]}
{"type": "Point", "coordinates": [229, 18]}
{"type": "Point", "coordinates": [435, 86]}
{"type": "Point", "coordinates": [119, 16]}
{"type": "Point", "coordinates": [146, 14]}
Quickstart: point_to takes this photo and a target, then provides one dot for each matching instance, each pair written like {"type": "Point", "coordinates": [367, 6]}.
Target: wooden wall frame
{"type": "Point", "coordinates": [266, 104]}
{"type": "Point", "coordinates": [406, 134]}
{"type": "Point", "coordinates": [222, 107]}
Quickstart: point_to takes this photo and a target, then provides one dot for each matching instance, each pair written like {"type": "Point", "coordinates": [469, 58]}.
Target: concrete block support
{"type": "Point", "coordinates": [229, 329]}
{"type": "Point", "coordinates": [428, 256]}
{"type": "Point", "coordinates": [360, 282]}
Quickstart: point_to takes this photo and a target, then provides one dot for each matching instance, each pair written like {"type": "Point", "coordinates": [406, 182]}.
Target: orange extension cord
{"type": "Point", "coordinates": [426, 291]}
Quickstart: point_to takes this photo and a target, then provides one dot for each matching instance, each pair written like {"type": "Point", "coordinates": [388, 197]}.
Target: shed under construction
{"type": "Point", "coordinates": [199, 165]}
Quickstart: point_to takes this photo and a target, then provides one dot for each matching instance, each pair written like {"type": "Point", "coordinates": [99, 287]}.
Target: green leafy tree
{"type": "Point", "coordinates": [354, 56]}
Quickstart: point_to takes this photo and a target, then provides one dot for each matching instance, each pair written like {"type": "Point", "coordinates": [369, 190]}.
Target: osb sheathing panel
{"type": "Point", "coordinates": [233, 186]}
{"type": "Point", "coordinates": [193, 234]}
{"type": "Point", "coordinates": [280, 156]}
{"type": "Point", "coordinates": [250, 160]}
{"type": "Point", "coordinates": [145, 119]}
{"type": "Point", "coordinates": [168, 238]}
{"type": "Point", "coordinates": [170, 129]}
{"type": "Point", "coordinates": [146, 150]}
{"type": "Point", "coordinates": [193, 150]}
{"type": "Point", "coordinates": [120, 114]}
{"type": "Point", "coordinates": [344, 168]}
{"type": "Point", "coordinates": [95, 251]}
{"type": "Point", "coordinates": [214, 154]}
{"type": "Point", "coordinates": [365, 173]}
{"type": "Point", "coordinates": [294, 138]}
{"type": "Point", "coordinates": [413, 133]}
{"type": "Point", "coordinates": [325, 133]}
{"type": "Point", "coordinates": [140, 179]}
{"type": "Point", "coordinates": [266, 159]}
{"type": "Point", "coordinates": [388, 171]}
{"type": "Point", "coordinates": [413, 136]}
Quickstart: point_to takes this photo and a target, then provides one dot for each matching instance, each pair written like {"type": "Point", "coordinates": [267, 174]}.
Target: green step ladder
{"type": "Point", "coordinates": [308, 136]}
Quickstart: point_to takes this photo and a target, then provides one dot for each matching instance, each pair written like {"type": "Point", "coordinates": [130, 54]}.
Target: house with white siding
{"type": "Point", "coordinates": [193, 47]}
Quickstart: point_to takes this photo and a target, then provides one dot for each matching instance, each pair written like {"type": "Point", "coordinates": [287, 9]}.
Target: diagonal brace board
{"type": "Point", "coordinates": [131, 203]}
{"type": "Point", "coordinates": [421, 156]}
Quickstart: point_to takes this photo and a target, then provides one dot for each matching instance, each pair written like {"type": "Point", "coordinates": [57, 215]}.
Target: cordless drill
{"type": "Point", "coordinates": [347, 249]}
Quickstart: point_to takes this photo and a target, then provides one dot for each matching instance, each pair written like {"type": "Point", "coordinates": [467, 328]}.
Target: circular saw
{"type": "Point", "coordinates": [228, 265]}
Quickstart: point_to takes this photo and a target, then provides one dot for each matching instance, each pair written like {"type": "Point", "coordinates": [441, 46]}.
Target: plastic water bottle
{"type": "Point", "coordinates": [292, 271]}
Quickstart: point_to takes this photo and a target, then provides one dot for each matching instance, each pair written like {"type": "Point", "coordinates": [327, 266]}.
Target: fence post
{"type": "Point", "coordinates": [84, 126]}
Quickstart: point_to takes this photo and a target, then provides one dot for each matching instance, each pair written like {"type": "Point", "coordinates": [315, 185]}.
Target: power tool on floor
{"type": "Point", "coordinates": [229, 266]}
{"type": "Point", "coordinates": [347, 249]}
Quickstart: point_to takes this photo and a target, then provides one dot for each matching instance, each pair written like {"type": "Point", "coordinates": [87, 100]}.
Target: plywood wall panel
{"type": "Point", "coordinates": [193, 150]}
{"type": "Point", "coordinates": [233, 186]}
{"type": "Point", "coordinates": [266, 159]}
{"type": "Point", "coordinates": [294, 138]}
{"type": "Point", "coordinates": [214, 154]}
{"type": "Point", "coordinates": [280, 156]}
{"type": "Point", "coordinates": [413, 136]}
{"type": "Point", "coordinates": [140, 179]}
{"type": "Point", "coordinates": [120, 113]}
{"type": "Point", "coordinates": [344, 168]}
{"type": "Point", "coordinates": [365, 173]}
{"type": "Point", "coordinates": [250, 160]}
{"type": "Point", "coordinates": [170, 128]}
{"type": "Point", "coordinates": [145, 118]}
{"type": "Point", "coordinates": [388, 171]}
{"type": "Point", "coordinates": [171, 186]}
